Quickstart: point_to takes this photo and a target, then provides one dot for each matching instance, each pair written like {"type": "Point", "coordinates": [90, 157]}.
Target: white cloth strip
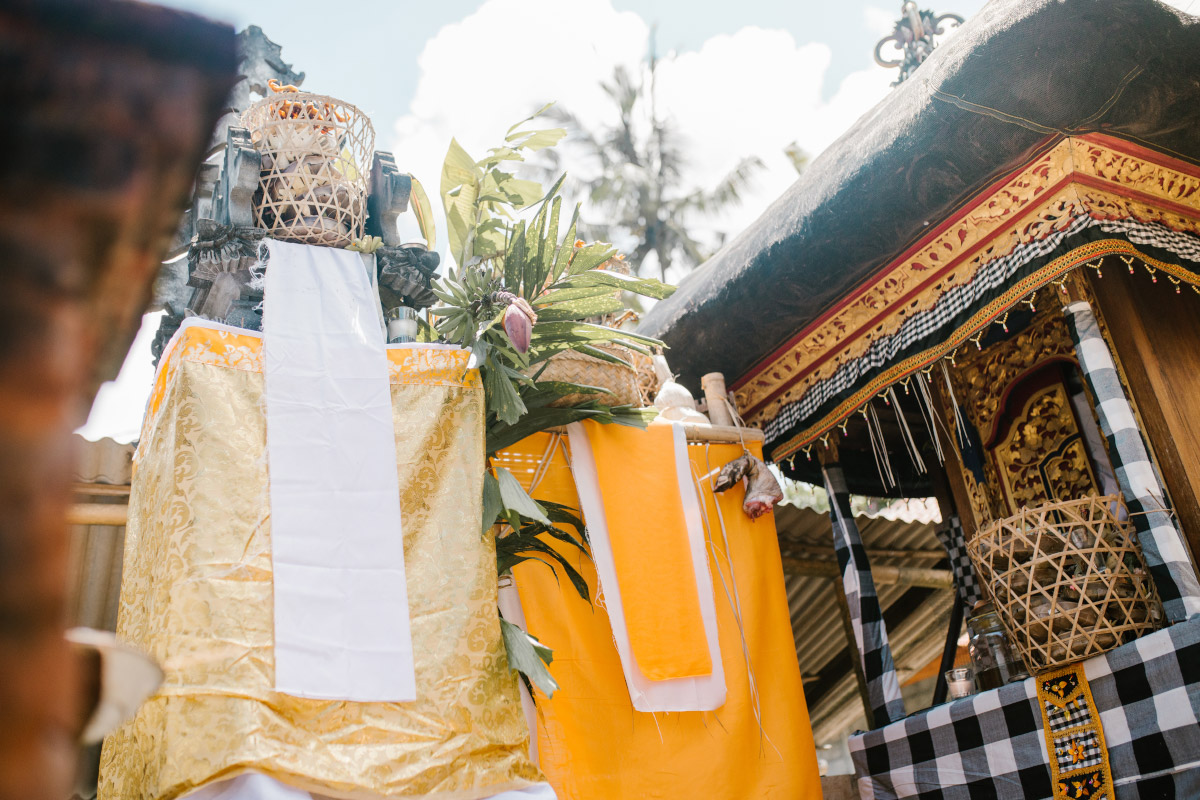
{"type": "Point", "coordinates": [341, 599]}
{"type": "Point", "coordinates": [705, 693]}
{"type": "Point", "coordinates": [256, 786]}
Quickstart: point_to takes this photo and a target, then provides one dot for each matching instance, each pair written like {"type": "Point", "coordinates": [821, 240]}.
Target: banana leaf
{"type": "Point", "coordinates": [647, 287]}
{"type": "Point", "coordinates": [528, 656]}
{"type": "Point", "coordinates": [515, 498]}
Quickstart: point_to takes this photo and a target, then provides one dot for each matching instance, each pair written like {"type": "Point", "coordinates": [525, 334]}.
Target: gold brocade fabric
{"type": "Point", "coordinates": [197, 595]}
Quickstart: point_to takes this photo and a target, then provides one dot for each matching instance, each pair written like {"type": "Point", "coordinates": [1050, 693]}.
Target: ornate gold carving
{"type": "Point", "coordinates": [1144, 172]}
{"type": "Point", "coordinates": [1059, 186]}
{"type": "Point", "coordinates": [1043, 457]}
{"type": "Point", "coordinates": [980, 377]}
{"type": "Point", "coordinates": [1058, 270]}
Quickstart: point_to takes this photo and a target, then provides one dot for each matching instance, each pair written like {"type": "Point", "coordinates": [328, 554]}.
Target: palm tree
{"type": "Point", "coordinates": [640, 188]}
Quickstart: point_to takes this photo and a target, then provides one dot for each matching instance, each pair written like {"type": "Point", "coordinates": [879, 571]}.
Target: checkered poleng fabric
{"type": "Point", "coordinates": [883, 685]}
{"type": "Point", "coordinates": [931, 324]}
{"type": "Point", "coordinates": [951, 535]}
{"type": "Point", "coordinates": [990, 746]}
{"type": "Point", "coordinates": [1162, 544]}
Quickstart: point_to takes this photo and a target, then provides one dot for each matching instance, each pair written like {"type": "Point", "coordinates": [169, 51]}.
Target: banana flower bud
{"type": "Point", "coordinates": [519, 319]}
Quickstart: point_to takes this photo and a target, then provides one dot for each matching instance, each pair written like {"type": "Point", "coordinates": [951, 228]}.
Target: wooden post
{"type": "Point", "coordinates": [713, 385]}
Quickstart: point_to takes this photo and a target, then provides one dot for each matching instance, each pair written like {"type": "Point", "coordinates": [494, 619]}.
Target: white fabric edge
{"type": "Point", "coordinates": [713, 684]}
{"type": "Point", "coordinates": [705, 693]}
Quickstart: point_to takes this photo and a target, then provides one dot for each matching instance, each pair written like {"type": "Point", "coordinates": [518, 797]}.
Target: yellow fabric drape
{"type": "Point", "coordinates": [593, 745]}
{"type": "Point", "coordinates": [640, 493]}
{"type": "Point", "coordinates": [197, 594]}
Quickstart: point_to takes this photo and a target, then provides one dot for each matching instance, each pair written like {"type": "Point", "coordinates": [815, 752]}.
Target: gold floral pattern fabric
{"type": "Point", "coordinates": [197, 595]}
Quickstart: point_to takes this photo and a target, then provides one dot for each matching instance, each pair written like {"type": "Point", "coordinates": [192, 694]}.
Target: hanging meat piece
{"type": "Point", "coordinates": [762, 490]}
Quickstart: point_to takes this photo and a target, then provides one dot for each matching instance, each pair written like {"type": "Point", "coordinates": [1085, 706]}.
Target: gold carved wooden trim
{"type": "Point", "coordinates": [1090, 175]}
{"type": "Point", "coordinates": [980, 377]}
{"type": "Point", "coordinates": [1043, 457]}
{"type": "Point", "coordinates": [1053, 271]}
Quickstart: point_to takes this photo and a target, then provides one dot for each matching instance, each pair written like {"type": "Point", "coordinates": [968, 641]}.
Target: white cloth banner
{"type": "Point", "coordinates": [341, 599]}
{"type": "Point", "coordinates": [705, 693]}
{"type": "Point", "coordinates": [253, 786]}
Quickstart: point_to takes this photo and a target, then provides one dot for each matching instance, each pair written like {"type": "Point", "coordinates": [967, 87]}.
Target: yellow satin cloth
{"type": "Point", "coordinates": [196, 594]}
{"type": "Point", "coordinates": [640, 492]}
{"type": "Point", "coordinates": [592, 745]}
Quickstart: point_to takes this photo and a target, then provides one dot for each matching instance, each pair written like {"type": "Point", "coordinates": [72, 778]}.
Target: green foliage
{"type": "Point", "coordinates": [640, 186]}
{"type": "Point", "coordinates": [510, 246]}
{"type": "Point", "coordinates": [528, 656]}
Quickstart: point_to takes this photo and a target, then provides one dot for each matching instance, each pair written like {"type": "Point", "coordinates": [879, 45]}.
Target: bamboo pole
{"type": "Point", "coordinates": [115, 514]}
{"type": "Point", "coordinates": [710, 434]}
{"type": "Point", "coordinates": [883, 574]}
{"type": "Point", "coordinates": [804, 551]}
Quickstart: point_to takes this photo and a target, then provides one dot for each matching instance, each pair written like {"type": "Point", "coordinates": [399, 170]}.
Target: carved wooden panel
{"type": "Point", "coordinates": [1042, 457]}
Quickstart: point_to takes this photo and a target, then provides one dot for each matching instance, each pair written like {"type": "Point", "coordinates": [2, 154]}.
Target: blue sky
{"type": "Point", "coordinates": [373, 53]}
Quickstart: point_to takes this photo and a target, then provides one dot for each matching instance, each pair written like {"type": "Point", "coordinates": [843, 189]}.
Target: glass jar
{"type": "Point", "coordinates": [992, 658]}
{"type": "Point", "coordinates": [401, 325]}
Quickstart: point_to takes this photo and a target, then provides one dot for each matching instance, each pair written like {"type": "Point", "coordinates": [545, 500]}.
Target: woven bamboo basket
{"type": "Point", "coordinates": [619, 381]}
{"type": "Point", "coordinates": [1068, 580]}
{"type": "Point", "coordinates": [316, 161]}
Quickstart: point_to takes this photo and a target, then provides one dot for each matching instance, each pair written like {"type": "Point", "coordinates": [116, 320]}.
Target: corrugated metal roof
{"type": "Point", "coordinates": [821, 642]}
{"type": "Point", "coordinates": [104, 461]}
{"type": "Point", "coordinates": [96, 551]}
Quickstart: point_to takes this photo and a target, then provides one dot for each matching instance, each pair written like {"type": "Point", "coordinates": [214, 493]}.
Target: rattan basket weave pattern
{"type": "Point", "coordinates": [1068, 580]}
{"type": "Point", "coordinates": [316, 162]}
{"type": "Point", "coordinates": [619, 381]}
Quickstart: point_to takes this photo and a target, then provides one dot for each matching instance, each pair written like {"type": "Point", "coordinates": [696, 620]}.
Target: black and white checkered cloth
{"type": "Point", "coordinates": [929, 326]}
{"type": "Point", "coordinates": [1162, 543]}
{"type": "Point", "coordinates": [951, 535]}
{"type": "Point", "coordinates": [990, 746]}
{"type": "Point", "coordinates": [883, 685]}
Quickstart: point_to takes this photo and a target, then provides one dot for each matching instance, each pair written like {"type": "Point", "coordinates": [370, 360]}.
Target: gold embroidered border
{"type": "Point", "coordinates": [1092, 175]}
{"type": "Point", "coordinates": [1047, 274]}
{"type": "Point", "coordinates": [1066, 691]}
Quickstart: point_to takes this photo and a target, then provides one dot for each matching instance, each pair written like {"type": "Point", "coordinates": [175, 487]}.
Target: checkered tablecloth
{"type": "Point", "coordinates": [991, 745]}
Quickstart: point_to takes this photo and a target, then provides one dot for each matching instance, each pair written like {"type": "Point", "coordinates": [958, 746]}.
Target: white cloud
{"type": "Point", "coordinates": [880, 21]}
{"type": "Point", "coordinates": [748, 93]}
{"type": "Point", "coordinates": [480, 75]}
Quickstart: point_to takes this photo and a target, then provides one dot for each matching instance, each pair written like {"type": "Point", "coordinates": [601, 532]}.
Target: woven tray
{"type": "Point", "coordinates": [316, 161]}
{"type": "Point", "coordinates": [619, 381]}
{"type": "Point", "coordinates": [1068, 580]}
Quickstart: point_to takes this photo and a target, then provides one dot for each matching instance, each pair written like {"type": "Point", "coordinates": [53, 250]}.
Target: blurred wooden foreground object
{"type": "Point", "coordinates": [108, 109]}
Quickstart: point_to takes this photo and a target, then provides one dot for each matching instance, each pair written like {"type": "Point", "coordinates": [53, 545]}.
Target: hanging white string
{"type": "Point", "coordinates": [929, 415]}
{"type": "Point", "coordinates": [959, 423]}
{"type": "Point", "coordinates": [879, 447]}
{"type": "Point", "coordinates": [734, 600]}
{"type": "Point", "coordinates": [738, 422]}
{"type": "Point", "coordinates": [909, 443]}
{"type": "Point", "coordinates": [539, 472]}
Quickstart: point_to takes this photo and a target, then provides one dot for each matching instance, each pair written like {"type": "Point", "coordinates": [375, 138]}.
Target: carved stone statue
{"type": "Point", "coordinates": [220, 239]}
